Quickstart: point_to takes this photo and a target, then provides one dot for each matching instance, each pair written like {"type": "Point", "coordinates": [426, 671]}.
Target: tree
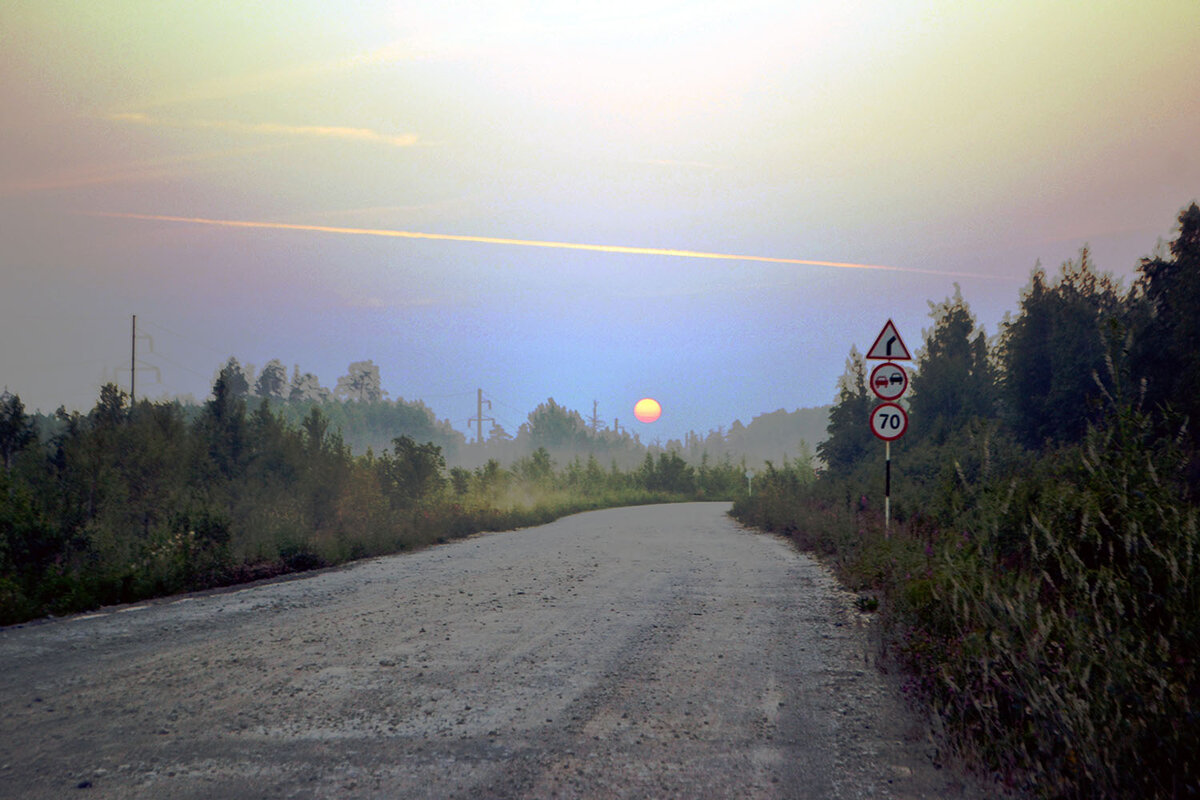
{"type": "Point", "coordinates": [236, 382]}
{"type": "Point", "coordinates": [671, 474]}
{"type": "Point", "coordinates": [849, 432]}
{"type": "Point", "coordinates": [497, 434]}
{"type": "Point", "coordinates": [110, 410]}
{"type": "Point", "coordinates": [1165, 350]}
{"type": "Point", "coordinates": [16, 429]}
{"type": "Point", "coordinates": [411, 472]}
{"type": "Point", "coordinates": [315, 426]}
{"type": "Point", "coordinates": [223, 422]}
{"type": "Point", "coordinates": [272, 381]}
{"type": "Point", "coordinates": [360, 383]}
{"type": "Point", "coordinates": [555, 428]}
{"type": "Point", "coordinates": [953, 381]}
{"type": "Point", "coordinates": [307, 388]}
{"type": "Point", "coordinates": [1054, 351]}
{"type": "Point", "coordinates": [537, 469]}
{"type": "Point", "coordinates": [491, 479]}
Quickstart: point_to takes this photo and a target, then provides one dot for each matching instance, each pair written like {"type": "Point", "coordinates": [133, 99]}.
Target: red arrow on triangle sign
{"type": "Point", "coordinates": [889, 346]}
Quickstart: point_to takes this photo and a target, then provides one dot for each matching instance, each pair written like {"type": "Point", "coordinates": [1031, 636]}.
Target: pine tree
{"type": "Point", "coordinates": [849, 431]}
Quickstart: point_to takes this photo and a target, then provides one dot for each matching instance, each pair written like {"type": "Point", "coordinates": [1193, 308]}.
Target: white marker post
{"type": "Point", "coordinates": [889, 420]}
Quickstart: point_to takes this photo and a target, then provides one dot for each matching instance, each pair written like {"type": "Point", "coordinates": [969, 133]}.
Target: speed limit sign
{"type": "Point", "coordinates": [889, 421]}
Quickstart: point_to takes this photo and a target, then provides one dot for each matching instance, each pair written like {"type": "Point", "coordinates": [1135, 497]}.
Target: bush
{"type": "Point", "coordinates": [1047, 609]}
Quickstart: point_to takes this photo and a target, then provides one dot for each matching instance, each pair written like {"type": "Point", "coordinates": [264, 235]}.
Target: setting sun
{"type": "Point", "coordinates": [647, 410]}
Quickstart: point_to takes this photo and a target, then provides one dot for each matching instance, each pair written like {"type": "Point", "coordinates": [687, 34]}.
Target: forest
{"type": "Point", "coordinates": [134, 500]}
{"type": "Point", "coordinates": [1039, 585]}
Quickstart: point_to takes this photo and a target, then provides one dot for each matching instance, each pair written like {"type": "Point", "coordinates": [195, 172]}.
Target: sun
{"type": "Point", "coordinates": [647, 410]}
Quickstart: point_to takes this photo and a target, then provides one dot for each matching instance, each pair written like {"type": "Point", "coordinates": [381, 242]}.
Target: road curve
{"type": "Point", "coordinates": [657, 651]}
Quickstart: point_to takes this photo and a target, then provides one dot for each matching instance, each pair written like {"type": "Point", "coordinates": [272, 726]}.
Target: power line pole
{"type": "Point", "coordinates": [479, 418]}
{"type": "Point", "coordinates": [133, 362]}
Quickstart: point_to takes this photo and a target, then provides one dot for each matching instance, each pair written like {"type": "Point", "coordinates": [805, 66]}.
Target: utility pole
{"type": "Point", "coordinates": [479, 418]}
{"type": "Point", "coordinates": [133, 363]}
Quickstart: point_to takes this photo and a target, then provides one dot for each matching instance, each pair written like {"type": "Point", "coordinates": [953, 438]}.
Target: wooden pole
{"type": "Point", "coordinates": [479, 416]}
{"type": "Point", "coordinates": [133, 361]}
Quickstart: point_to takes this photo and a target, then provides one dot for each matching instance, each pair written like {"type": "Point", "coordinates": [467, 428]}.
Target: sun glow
{"type": "Point", "coordinates": [647, 410]}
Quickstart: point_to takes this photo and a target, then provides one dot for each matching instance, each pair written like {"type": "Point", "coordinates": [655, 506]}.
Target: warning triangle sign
{"type": "Point", "coordinates": [889, 346]}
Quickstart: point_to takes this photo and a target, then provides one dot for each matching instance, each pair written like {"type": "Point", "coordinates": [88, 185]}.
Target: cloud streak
{"type": "Point", "coordinates": [271, 129]}
{"type": "Point", "coordinates": [496, 240]}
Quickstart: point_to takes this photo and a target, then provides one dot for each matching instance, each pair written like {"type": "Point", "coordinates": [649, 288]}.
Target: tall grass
{"type": "Point", "coordinates": [267, 534]}
{"type": "Point", "coordinates": [1048, 610]}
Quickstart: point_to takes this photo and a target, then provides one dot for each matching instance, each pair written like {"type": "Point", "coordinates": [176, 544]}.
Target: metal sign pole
{"type": "Point", "coordinates": [887, 489]}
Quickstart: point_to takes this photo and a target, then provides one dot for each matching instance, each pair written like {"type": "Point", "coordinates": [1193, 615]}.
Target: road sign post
{"type": "Point", "coordinates": [889, 420]}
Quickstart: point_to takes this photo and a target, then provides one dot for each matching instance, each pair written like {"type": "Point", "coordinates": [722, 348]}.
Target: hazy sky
{"type": "Point", "coordinates": [952, 141]}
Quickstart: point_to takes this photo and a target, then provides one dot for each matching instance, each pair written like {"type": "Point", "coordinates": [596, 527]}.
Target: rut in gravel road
{"type": "Point", "coordinates": [657, 651]}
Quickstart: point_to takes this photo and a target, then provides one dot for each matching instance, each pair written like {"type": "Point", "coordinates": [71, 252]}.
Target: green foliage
{"type": "Point", "coordinates": [1074, 660]}
{"type": "Point", "coordinates": [552, 427]}
{"type": "Point", "coordinates": [1049, 616]}
{"type": "Point", "coordinates": [16, 429]}
{"type": "Point", "coordinates": [849, 436]}
{"type": "Point", "coordinates": [953, 383]}
{"type": "Point", "coordinates": [1167, 326]}
{"type": "Point", "coordinates": [273, 381]}
{"type": "Point", "coordinates": [1054, 351]}
{"type": "Point", "coordinates": [367, 425]}
{"type": "Point", "coordinates": [126, 503]}
{"type": "Point", "coordinates": [1040, 584]}
{"type": "Point", "coordinates": [412, 473]}
{"type": "Point", "coordinates": [670, 474]}
{"type": "Point", "coordinates": [361, 383]}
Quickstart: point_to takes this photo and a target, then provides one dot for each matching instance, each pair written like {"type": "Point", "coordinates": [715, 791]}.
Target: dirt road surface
{"type": "Point", "coordinates": [658, 651]}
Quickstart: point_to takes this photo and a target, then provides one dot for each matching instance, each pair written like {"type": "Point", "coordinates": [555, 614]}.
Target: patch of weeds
{"type": "Point", "coordinates": [866, 603]}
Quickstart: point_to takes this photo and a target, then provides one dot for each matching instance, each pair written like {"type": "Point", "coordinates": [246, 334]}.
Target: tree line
{"type": "Point", "coordinates": [129, 501]}
{"type": "Point", "coordinates": [1041, 583]}
{"type": "Point", "coordinates": [360, 409]}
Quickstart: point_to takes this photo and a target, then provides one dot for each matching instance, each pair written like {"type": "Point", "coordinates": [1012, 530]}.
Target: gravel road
{"type": "Point", "coordinates": [657, 651]}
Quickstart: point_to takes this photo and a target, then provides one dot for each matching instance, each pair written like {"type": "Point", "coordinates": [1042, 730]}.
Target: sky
{"type": "Point", "coordinates": [323, 183]}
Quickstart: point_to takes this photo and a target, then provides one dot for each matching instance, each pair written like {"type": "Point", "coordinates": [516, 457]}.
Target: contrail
{"type": "Point", "coordinates": [597, 248]}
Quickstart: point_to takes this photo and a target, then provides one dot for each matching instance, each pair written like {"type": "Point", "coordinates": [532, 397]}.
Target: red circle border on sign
{"type": "Point", "coordinates": [885, 365]}
{"type": "Point", "coordinates": [903, 416]}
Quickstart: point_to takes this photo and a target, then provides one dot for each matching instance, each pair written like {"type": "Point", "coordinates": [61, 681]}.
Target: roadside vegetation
{"type": "Point", "coordinates": [1040, 582]}
{"type": "Point", "coordinates": [131, 502]}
